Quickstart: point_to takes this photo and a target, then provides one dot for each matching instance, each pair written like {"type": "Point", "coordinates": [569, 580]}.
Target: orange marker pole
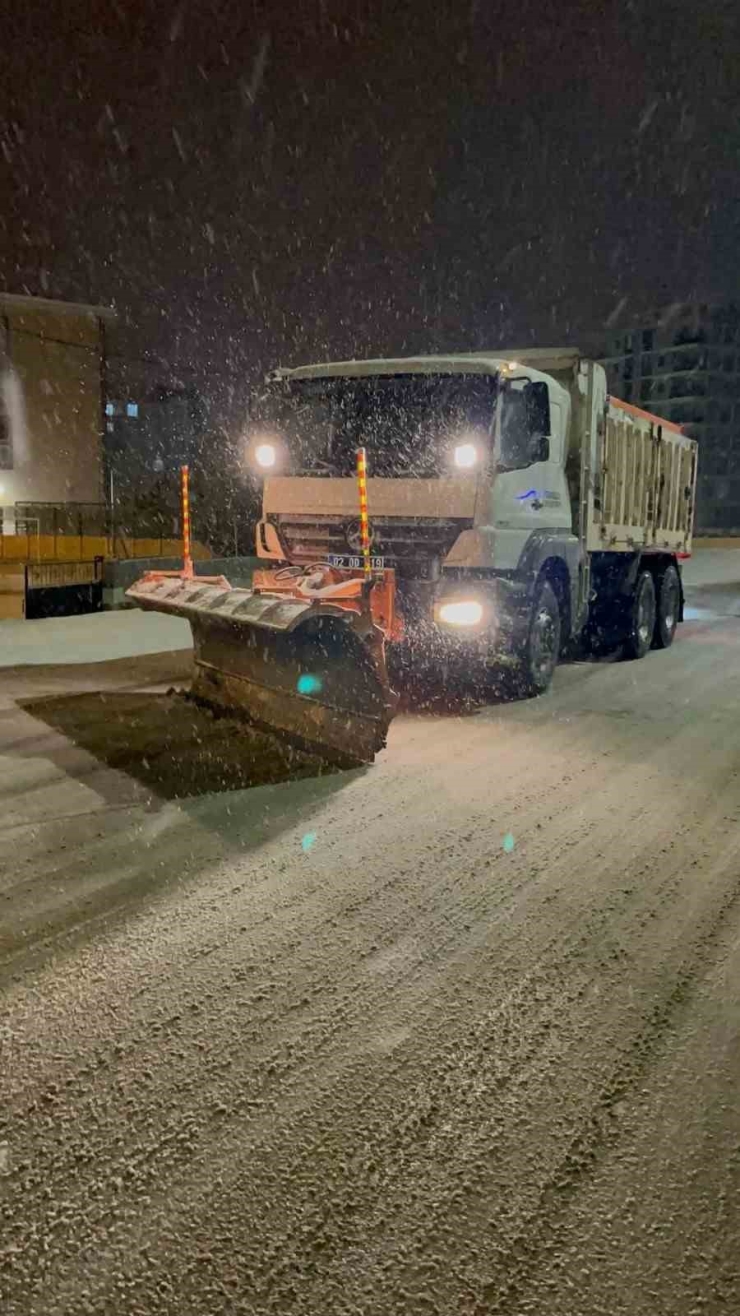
{"type": "Point", "coordinates": [364, 524]}
{"type": "Point", "coordinates": [187, 561]}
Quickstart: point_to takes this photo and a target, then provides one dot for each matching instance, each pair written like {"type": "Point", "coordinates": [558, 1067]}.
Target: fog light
{"type": "Point", "coordinates": [465, 612]}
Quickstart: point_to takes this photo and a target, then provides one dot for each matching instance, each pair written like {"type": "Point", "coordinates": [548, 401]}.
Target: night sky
{"type": "Point", "coordinates": [251, 183]}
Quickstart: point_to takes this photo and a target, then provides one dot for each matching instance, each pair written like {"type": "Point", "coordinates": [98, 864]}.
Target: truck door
{"type": "Point", "coordinates": [530, 492]}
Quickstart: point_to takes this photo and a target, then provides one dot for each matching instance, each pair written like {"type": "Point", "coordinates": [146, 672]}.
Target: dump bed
{"type": "Point", "coordinates": [643, 481]}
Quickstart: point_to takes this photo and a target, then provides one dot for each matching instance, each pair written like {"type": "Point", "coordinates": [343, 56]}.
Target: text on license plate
{"type": "Point", "coordinates": [355, 563]}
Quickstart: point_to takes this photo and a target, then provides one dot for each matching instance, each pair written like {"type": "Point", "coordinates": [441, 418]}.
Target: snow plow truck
{"type": "Point", "coordinates": [502, 508]}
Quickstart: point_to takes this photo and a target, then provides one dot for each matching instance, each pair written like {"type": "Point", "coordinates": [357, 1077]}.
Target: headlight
{"type": "Point", "coordinates": [266, 456]}
{"type": "Point", "coordinates": [464, 612]}
{"type": "Point", "coordinates": [466, 456]}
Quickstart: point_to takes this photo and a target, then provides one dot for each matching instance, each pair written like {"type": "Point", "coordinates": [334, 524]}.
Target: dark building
{"type": "Point", "coordinates": [684, 364]}
{"type": "Point", "coordinates": [153, 432]}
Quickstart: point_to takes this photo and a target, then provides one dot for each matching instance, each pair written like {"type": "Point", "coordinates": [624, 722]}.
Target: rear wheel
{"type": "Point", "coordinates": [641, 625]}
{"type": "Point", "coordinates": [541, 648]}
{"type": "Point", "coordinates": [669, 603]}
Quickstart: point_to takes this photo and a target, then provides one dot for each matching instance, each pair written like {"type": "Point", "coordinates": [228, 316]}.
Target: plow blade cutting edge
{"type": "Point", "coordinates": [302, 668]}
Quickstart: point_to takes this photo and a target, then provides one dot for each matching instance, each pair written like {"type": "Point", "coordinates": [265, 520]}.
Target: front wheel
{"type": "Point", "coordinates": [541, 648]}
{"type": "Point", "coordinates": [641, 624]}
{"type": "Point", "coordinates": [669, 603]}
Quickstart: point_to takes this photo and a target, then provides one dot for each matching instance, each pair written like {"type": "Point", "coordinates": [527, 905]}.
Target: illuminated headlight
{"type": "Point", "coordinates": [463, 612]}
{"type": "Point", "coordinates": [266, 456]}
{"type": "Point", "coordinates": [466, 456]}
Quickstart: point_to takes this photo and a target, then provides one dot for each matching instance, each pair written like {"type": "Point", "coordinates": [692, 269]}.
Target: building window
{"type": "Point", "coordinates": [647, 340]}
{"type": "Point", "coordinates": [729, 363]}
{"type": "Point", "coordinates": [110, 409]}
{"type": "Point", "coordinates": [132, 409]}
{"type": "Point", "coordinates": [627, 390]}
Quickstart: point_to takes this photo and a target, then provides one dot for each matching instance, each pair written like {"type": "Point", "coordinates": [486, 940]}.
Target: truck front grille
{"type": "Point", "coordinates": [399, 540]}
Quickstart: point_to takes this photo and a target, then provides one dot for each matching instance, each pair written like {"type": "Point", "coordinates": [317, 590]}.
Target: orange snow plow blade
{"type": "Point", "coordinates": [301, 653]}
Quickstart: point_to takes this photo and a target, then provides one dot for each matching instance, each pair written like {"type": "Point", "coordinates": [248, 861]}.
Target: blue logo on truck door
{"type": "Point", "coordinates": [538, 497]}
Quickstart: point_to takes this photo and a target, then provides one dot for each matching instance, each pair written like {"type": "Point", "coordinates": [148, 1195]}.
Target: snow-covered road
{"type": "Point", "coordinates": [458, 1034]}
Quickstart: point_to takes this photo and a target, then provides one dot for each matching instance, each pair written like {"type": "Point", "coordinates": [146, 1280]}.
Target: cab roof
{"type": "Point", "coordinates": [535, 361]}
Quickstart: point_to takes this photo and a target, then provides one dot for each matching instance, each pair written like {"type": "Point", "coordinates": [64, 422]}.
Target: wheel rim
{"type": "Point", "coordinates": [543, 642]}
{"type": "Point", "coordinates": [669, 602]}
{"type": "Point", "coordinates": [645, 617]}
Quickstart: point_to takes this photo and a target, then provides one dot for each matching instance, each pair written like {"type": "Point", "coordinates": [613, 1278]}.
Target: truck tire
{"type": "Point", "coordinates": [641, 623]}
{"type": "Point", "coordinates": [539, 656]}
{"type": "Point", "coordinates": [669, 602]}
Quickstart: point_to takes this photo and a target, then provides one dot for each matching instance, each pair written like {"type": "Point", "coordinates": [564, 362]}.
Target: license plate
{"type": "Point", "coordinates": [353, 563]}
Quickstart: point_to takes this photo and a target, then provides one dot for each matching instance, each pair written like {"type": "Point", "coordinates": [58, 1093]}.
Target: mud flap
{"type": "Point", "coordinates": [312, 673]}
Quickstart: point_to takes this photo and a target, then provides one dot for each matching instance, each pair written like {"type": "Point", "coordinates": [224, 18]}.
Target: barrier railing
{"type": "Point", "coordinates": [54, 532]}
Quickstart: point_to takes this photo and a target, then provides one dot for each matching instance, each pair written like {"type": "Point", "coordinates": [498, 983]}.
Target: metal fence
{"type": "Point", "coordinates": [55, 529]}
{"type": "Point", "coordinates": [63, 589]}
{"type": "Point", "coordinates": [58, 575]}
{"type": "Point", "coordinates": [94, 519]}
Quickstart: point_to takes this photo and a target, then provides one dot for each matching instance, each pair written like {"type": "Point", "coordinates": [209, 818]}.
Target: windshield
{"type": "Point", "coordinates": [409, 424]}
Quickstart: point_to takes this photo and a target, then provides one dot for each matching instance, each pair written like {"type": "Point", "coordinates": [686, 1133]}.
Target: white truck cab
{"type": "Point", "coordinates": [505, 480]}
